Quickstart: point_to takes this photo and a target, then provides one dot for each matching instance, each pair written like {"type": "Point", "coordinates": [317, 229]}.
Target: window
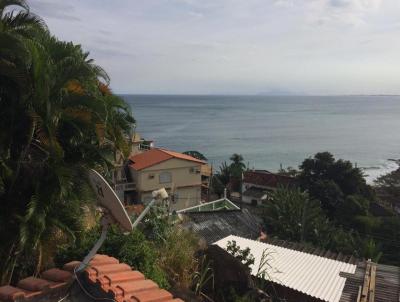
{"type": "Point", "coordinates": [165, 177]}
{"type": "Point", "coordinates": [194, 170]}
{"type": "Point", "coordinates": [254, 202]}
{"type": "Point", "coordinates": [151, 176]}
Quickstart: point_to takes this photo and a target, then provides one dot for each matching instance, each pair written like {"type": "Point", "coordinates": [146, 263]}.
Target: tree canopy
{"type": "Point", "coordinates": [330, 181]}
{"type": "Point", "coordinates": [336, 201]}
{"type": "Point", "coordinates": [229, 175]}
{"type": "Point", "coordinates": [58, 117]}
{"type": "Point", "coordinates": [196, 154]}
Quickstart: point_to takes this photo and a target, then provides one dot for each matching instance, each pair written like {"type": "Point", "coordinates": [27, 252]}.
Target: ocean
{"type": "Point", "coordinates": [274, 131]}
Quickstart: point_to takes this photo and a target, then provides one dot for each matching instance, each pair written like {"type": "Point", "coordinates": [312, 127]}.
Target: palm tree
{"type": "Point", "coordinates": [15, 87]}
{"type": "Point", "coordinates": [221, 179]}
{"type": "Point", "coordinates": [237, 165]}
{"type": "Point", "coordinates": [61, 119]}
{"type": "Point", "coordinates": [236, 168]}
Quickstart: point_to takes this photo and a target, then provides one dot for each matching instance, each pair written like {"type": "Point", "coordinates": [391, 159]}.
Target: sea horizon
{"type": "Point", "coordinates": [274, 131]}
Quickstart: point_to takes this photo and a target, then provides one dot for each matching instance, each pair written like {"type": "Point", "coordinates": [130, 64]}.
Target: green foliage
{"type": "Point", "coordinates": [388, 188]}
{"type": "Point", "coordinates": [352, 209]}
{"type": "Point", "coordinates": [292, 215]}
{"type": "Point", "coordinates": [346, 223]}
{"type": "Point", "coordinates": [221, 179]}
{"type": "Point", "coordinates": [177, 257]}
{"type": "Point", "coordinates": [156, 225]}
{"type": "Point", "coordinates": [57, 119]}
{"type": "Point", "coordinates": [196, 154]}
{"type": "Point", "coordinates": [163, 252]}
{"type": "Point", "coordinates": [237, 166]}
{"type": "Point", "coordinates": [132, 249]}
{"type": "Point", "coordinates": [243, 255]}
{"type": "Point", "coordinates": [331, 181]}
{"type": "Point", "coordinates": [204, 275]}
{"type": "Point", "coordinates": [229, 175]}
{"type": "Point", "coordinates": [371, 250]}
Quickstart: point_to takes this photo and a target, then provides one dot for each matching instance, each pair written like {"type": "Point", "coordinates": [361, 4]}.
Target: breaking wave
{"type": "Point", "coordinates": [372, 173]}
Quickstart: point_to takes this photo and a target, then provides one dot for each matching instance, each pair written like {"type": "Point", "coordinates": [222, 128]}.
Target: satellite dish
{"type": "Point", "coordinates": [114, 211]}
{"type": "Point", "coordinates": [107, 199]}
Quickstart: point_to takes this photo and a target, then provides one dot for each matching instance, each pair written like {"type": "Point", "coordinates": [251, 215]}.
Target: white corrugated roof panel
{"type": "Point", "coordinates": [310, 274]}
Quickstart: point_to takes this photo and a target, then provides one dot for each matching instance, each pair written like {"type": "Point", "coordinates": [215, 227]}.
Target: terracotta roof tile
{"type": "Point", "coordinates": [119, 277]}
{"type": "Point", "coordinates": [155, 156]}
{"type": "Point", "coordinates": [35, 284]}
{"type": "Point", "coordinates": [102, 269]}
{"type": "Point", "coordinates": [157, 295]}
{"type": "Point", "coordinates": [106, 273]}
{"type": "Point", "coordinates": [183, 156]}
{"type": "Point", "coordinates": [8, 292]}
{"type": "Point", "coordinates": [266, 179]}
{"type": "Point", "coordinates": [56, 275]}
{"type": "Point", "coordinates": [127, 289]}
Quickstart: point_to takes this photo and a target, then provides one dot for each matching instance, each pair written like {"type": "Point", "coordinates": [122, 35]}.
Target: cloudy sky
{"type": "Point", "coordinates": [236, 46]}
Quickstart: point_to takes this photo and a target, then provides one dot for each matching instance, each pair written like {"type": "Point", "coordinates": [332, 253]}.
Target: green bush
{"type": "Point", "coordinates": [133, 249]}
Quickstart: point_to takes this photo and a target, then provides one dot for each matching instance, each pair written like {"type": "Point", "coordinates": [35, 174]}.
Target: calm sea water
{"type": "Point", "coordinates": [273, 130]}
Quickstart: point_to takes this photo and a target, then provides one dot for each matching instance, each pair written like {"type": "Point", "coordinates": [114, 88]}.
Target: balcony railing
{"type": "Point", "coordinates": [125, 186]}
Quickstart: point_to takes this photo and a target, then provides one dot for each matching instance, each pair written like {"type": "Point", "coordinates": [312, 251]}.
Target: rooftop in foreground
{"type": "Point", "coordinates": [104, 279]}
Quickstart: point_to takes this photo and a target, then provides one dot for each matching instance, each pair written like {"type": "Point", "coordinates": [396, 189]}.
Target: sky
{"type": "Point", "coordinates": [319, 47]}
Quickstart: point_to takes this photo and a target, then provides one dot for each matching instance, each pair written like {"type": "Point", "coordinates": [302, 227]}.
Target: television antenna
{"type": "Point", "coordinates": [114, 211]}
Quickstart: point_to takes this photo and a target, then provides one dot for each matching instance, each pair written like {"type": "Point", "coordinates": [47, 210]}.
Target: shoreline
{"type": "Point", "coordinates": [377, 171]}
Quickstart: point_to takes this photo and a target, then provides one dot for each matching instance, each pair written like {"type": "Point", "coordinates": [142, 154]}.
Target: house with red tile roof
{"type": "Point", "coordinates": [257, 184]}
{"type": "Point", "coordinates": [104, 279]}
{"type": "Point", "coordinates": [184, 177]}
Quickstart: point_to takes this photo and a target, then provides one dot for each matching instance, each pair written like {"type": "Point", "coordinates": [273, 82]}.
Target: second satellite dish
{"type": "Point", "coordinates": [109, 200]}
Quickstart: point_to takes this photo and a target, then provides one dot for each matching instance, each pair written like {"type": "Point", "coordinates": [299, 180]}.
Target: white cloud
{"type": "Point", "coordinates": [220, 46]}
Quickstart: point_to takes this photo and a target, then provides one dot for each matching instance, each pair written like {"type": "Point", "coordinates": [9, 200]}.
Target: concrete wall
{"type": "Point", "coordinates": [249, 200]}
{"type": "Point", "coordinates": [184, 178]}
{"type": "Point", "coordinates": [149, 179]}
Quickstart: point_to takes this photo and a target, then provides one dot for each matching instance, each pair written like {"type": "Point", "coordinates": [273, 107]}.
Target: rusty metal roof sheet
{"type": "Point", "coordinates": [387, 283]}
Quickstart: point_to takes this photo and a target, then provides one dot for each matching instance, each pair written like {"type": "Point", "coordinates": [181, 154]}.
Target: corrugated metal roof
{"type": "Point", "coordinates": [310, 249]}
{"type": "Point", "coordinates": [213, 226]}
{"type": "Point", "coordinates": [387, 283]}
{"type": "Point", "coordinates": [310, 274]}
